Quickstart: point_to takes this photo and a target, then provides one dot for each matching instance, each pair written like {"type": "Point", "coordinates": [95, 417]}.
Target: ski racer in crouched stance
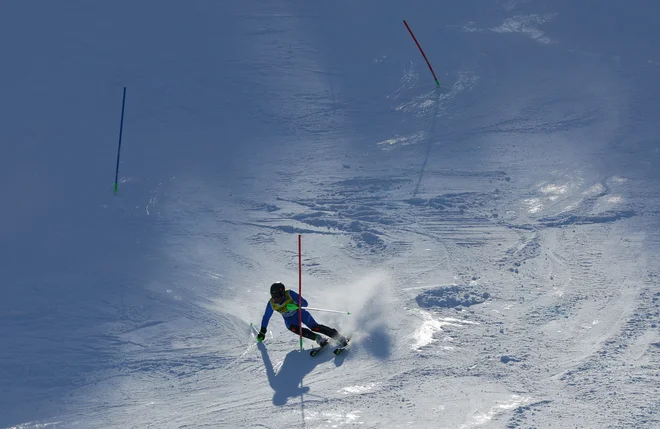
{"type": "Point", "coordinates": [280, 298]}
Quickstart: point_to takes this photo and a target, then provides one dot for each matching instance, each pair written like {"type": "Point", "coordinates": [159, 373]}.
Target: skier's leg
{"type": "Point", "coordinates": [322, 329]}
{"type": "Point", "coordinates": [305, 332]}
{"type": "Point", "coordinates": [308, 320]}
{"type": "Point", "coordinates": [332, 333]}
{"type": "Point", "coordinates": [325, 330]}
{"type": "Point", "coordinates": [320, 340]}
{"type": "Point", "coordinates": [316, 327]}
{"type": "Point", "coordinates": [293, 327]}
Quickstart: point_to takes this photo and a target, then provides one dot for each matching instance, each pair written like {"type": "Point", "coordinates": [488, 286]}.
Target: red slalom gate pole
{"type": "Point", "coordinates": [423, 54]}
{"type": "Point", "coordinates": [300, 287]}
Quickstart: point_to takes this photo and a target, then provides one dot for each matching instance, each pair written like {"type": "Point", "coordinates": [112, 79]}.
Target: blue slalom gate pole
{"type": "Point", "coordinates": [121, 129]}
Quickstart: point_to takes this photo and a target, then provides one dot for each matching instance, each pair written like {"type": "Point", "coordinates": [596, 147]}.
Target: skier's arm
{"type": "Point", "coordinates": [294, 296]}
{"type": "Point", "coordinates": [267, 314]}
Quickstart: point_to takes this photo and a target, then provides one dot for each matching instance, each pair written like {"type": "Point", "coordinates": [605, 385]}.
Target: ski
{"type": "Point", "coordinates": [315, 350]}
{"type": "Point", "coordinates": [338, 350]}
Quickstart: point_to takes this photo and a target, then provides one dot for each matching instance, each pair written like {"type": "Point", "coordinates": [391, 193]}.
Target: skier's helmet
{"type": "Point", "coordinates": [277, 291]}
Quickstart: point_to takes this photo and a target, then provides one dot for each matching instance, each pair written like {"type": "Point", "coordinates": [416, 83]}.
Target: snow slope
{"type": "Point", "coordinates": [496, 239]}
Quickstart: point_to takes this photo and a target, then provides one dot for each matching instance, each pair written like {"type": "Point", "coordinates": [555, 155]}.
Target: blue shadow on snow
{"type": "Point", "coordinates": [287, 381]}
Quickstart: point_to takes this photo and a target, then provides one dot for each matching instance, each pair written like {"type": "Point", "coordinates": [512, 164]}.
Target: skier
{"type": "Point", "coordinates": [280, 298]}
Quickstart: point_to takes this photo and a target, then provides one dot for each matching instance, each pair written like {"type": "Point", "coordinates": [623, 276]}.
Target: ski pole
{"type": "Point", "coordinates": [327, 311]}
{"type": "Point", "coordinates": [292, 307]}
{"type": "Point", "coordinates": [254, 329]}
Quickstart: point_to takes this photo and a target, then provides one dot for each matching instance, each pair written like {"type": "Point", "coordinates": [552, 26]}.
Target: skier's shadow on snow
{"type": "Point", "coordinates": [287, 381]}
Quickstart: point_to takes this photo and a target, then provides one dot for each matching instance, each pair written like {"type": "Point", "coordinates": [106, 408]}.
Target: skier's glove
{"type": "Point", "coordinates": [261, 335]}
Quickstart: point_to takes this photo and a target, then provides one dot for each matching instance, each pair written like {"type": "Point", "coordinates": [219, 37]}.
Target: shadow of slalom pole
{"type": "Point", "coordinates": [429, 144]}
